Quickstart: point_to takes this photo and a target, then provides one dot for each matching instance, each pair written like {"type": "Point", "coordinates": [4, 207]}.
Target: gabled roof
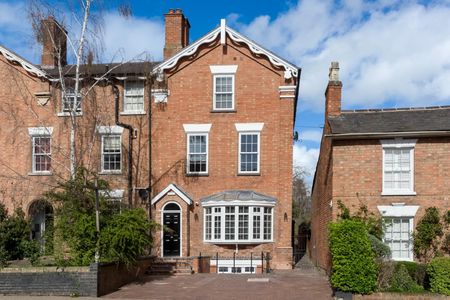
{"type": "Point", "coordinates": [239, 197]}
{"type": "Point", "coordinates": [290, 69]}
{"type": "Point", "coordinates": [177, 190]}
{"type": "Point", "coordinates": [426, 119]}
{"type": "Point", "coordinates": [29, 67]}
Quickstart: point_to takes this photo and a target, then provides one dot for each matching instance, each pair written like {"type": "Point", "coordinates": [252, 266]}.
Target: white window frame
{"type": "Point", "coordinates": [257, 133]}
{"type": "Point", "coordinates": [40, 132]}
{"type": "Point", "coordinates": [188, 171]}
{"type": "Point", "coordinates": [103, 171]}
{"type": "Point", "coordinates": [228, 71]}
{"type": "Point", "coordinates": [193, 130]}
{"type": "Point", "coordinates": [400, 210]}
{"type": "Point", "coordinates": [399, 144]}
{"type": "Point", "coordinates": [133, 112]}
{"type": "Point", "coordinates": [70, 93]}
{"type": "Point", "coordinates": [222, 213]}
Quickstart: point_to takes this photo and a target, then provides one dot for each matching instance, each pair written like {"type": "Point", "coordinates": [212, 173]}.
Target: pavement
{"type": "Point", "coordinates": [279, 285]}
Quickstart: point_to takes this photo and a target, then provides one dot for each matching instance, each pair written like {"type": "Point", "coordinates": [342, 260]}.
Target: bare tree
{"type": "Point", "coordinates": [301, 198]}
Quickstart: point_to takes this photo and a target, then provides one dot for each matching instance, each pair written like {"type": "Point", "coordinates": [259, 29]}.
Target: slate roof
{"type": "Point", "coordinates": [128, 68]}
{"type": "Point", "coordinates": [391, 120]}
{"type": "Point", "coordinates": [239, 195]}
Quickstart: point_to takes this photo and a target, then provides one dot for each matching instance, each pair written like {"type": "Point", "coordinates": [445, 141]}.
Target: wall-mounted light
{"type": "Point", "coordinates": [285, 217]}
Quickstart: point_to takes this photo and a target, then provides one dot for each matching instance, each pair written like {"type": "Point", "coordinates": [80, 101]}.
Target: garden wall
{"type": "Point", "coordinates": [95, 280]}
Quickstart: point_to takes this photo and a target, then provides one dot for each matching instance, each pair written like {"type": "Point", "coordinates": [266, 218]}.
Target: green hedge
{"type": "Point", "coordinates": [354, 268]}
{"type": "Point", "coordinates": [439, 273]}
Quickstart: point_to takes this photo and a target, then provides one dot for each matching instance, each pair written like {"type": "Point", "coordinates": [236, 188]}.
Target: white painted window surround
{"type": "Point", "coordinates": [238, 224]}
{"type": "Point", "coordinates": [399, 226]}
{"type": "Point", "coordinates": [41, 150]}
{"type": "Point", "coordinates": [111, 149]}
{"type": "Point", "coordinates": [249, 150]}
{"type": "Point", "coordinates": [133, 100]}
{"type": "Point", "coordinates": [398, 166]}
{"type": "Point", "coordinates": [197, 148]}
{"type": "Point", "coordinates": [223, 87]}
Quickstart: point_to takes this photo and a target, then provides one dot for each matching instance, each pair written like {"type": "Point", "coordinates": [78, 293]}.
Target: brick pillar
{"type": "Point", "coordinates": [177, 32]}
{"type": "Point", "coordinates": [333, 92]}
{"type": "Point", "coordinates": [54, 43]}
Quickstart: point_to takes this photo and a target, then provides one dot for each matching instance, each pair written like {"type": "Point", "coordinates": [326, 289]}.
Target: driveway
{"type": "Point", "coordinates": [281, 285]}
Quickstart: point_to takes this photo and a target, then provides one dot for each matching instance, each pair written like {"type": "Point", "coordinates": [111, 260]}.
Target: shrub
{"type": "Point", "coordinates": [15, 237]}
{"type": "Point", "coordinates": [402, 281]}
{"type": "Point", "coordinates": [126, 236]}
{"type": "Point", "coordinates": [417, 271]}
{"type": "Point", "coordinates": [354, 268]}
{"type": "Point", "coordinates": [428, 230]}
{"type": "Point", "coordinates": [123, 235]}
{"type": "Point", "coordinates": [382, 251]}
{"type": "Point", "coordinates": [439, 273]}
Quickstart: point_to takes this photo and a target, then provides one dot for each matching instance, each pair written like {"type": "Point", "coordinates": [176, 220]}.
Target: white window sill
{"type": "Point", "coordinates": [67, 114]}
{"type": "Point", "coordinates": [110, 173]}
{"type": "Point", "coordinates": [249, 174]}
{"type": "Point", "coordinates": [402, 259]}
{"type": "Point", "coordinates": [130, 113]}
{"type": "Point", "coordinates": [238, 242]}
{"type": "Point", "coordinates": [46, 173]}
{"type": "Point", "coordinates": [398, 193]}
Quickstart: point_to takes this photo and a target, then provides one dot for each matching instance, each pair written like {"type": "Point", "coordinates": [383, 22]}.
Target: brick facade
{"type": "Point", "coordinates": [351, 170]}
{"type": "Point", "coordinates": [190, 86]}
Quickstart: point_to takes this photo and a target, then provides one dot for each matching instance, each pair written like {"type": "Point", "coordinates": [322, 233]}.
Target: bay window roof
{"type": "Point", "coordinates": [238, 197]}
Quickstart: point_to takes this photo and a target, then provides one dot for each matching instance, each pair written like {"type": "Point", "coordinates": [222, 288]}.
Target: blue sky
{"type": "Point", "coordinates": [392, 53]}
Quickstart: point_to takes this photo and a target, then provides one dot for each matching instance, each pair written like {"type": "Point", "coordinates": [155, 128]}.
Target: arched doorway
{"type": "Point", "coordinates": [171, 236]}
{"type": "Point", "coordinates": [41, 217]}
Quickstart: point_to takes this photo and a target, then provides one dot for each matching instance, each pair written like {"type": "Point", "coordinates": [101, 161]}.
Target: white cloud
{"type": "Point", "coordinates": [127, 38]}
{"type": "Point", "coordinates": [390, 52]}
{"type": "Point", "coordinates": [310, 135]}
{"type": "Point", "coordinates": [306, 159]}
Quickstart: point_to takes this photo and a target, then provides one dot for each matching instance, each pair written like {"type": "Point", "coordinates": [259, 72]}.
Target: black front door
{"type": "Point", "coordinates": [171, 236]}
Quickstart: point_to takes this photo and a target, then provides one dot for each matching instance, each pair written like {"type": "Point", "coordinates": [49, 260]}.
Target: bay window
{"type": "Point", "coordinates": [238, 224]}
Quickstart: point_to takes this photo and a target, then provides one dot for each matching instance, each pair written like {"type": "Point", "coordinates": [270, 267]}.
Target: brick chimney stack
{"type": "Point", "coordinates": [54, 43]}
{"type": "Point", "coordinates": [333, 92]}
{"type": "Point", "coordinates": [177, 32]}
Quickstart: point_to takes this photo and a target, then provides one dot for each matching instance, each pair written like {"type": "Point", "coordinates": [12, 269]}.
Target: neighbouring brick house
{"type": "Point", "coordinates": [220, 112]}
{"type": "Point", "coordinates": [394, 161]}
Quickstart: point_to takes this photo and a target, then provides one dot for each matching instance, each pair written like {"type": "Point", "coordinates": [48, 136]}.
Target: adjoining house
{"type": "Point", "coordinates": [211, 132]}
{"type": "Point", "coordinates": [394, 161]}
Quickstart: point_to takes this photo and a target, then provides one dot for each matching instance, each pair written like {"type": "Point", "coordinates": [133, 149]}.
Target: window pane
{"type": "Point", "coordinates": [249, 153]}
{"type": "Point", "coordinates": [398, 237]}
{"type": "Point", "coordinates": [223, 92]}
{"type": "Point", "coordinates": [197, 155]}
{"type": "Point", "coordinates": [41, 153]}
{"type": "Point", "coordinates": [397, 169]}
{"type": "Point", "coordinates": [134, 96]}
{"type": "Point", "coordinates": [112, 149]}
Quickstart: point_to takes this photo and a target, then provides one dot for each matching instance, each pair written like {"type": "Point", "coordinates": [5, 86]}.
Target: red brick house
{"type": "Point", "coordinates": [211, 136]}
{"type": "Point", "coordinates": [394, 161]}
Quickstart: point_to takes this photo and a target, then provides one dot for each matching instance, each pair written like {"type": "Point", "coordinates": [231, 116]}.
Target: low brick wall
{"type": "Point", "coordinates": [398, 296]}
{"type": "Point", "coordinates": [95, 280]}
{"type": "Point", "coordinates": [112, 276]}
{"type": "Point", "coordinates": [75, 281]}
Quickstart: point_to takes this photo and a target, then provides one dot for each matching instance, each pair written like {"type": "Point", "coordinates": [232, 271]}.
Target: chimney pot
{"type": "Point", "coordinates": [333, 92]}
{"type": "Point", "coordinates": [333, 75]}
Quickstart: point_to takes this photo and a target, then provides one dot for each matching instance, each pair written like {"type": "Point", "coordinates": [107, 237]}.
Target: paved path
{"type": "Point", "coordinates": [281, 285]}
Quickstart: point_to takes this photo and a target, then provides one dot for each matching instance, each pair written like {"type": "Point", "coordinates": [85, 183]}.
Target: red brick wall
{"type": "Point", "coordinates": [357, 180]}
{"type": "Point", "coordinates": [257, 100]}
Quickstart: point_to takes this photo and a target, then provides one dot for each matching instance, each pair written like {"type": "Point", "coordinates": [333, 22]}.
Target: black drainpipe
{"type": "Point", "coordinates": [149, 189]}
{"type": "Point", "coordinates": [130, 144]}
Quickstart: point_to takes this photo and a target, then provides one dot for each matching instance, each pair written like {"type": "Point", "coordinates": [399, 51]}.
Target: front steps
{"type": "Point", "coordinates": [168, 266]}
